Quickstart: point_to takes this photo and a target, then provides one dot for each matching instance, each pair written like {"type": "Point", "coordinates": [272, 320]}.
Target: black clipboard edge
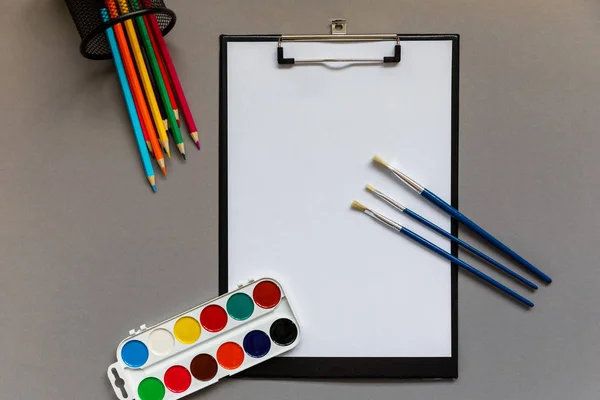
{"type": "Point", "coordinates": [345, 367]}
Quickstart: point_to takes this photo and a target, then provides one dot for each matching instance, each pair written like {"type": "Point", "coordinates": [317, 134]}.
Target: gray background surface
{"type": "Point", "coordinates": [86, 252]}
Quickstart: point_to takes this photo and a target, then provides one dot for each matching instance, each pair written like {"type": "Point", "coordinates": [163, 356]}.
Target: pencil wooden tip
{"type": "Point", "coordinates": [165, 145]}
{"type": "Point", "coordinates": [370, 188]}
{"type": "Point", "coordinates": [161, 163]}
{"type": "Point", "coordinates": [194, 136]}
{"type": "Point", "coordinates": [152, 181]}
{"type": "Point", "coordinates": [176, 112]}
{"type": "Point", "coordinates": [181, 148]}
{"type": "Point", "coordinates": [378, 160]}
{"type": "Point", "coordinates": [358, 206]}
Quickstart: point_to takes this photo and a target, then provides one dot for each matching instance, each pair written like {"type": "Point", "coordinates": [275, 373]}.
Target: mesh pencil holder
{"type": "Point", "coordinates": [89, 24]}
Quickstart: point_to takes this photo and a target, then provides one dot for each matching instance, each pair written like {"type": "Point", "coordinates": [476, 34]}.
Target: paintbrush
{"type": "Point", "coordinates": [424, 242]}
{"type": "Point", "coordinates": [461, 218]}
{"type": "Point", "coordinates": [448, 235]}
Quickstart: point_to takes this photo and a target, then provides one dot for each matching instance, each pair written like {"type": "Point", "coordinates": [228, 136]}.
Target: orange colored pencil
{"type": "Point", "coordinates": [163, 71]}
{"type": "Point", "coordinates": [144, 130]}
{"type": "Point", "coordinates": [135, 86]}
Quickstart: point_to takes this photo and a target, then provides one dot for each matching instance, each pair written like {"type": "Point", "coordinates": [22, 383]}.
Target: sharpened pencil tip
{"type": "Point", "coordinates": [166, 147]}
{"type": "Point", "coordinates": [370, 188]}
{"type": "Point", "coordinates": [152, 181]}
{"type": "Point", "coordinates": [194, 136]}
{"type": "Point", "coordinates": [149, 145]}
{"type": "Point", "coordinates": [184, 157]}
{"type": "Point", "coordinates": [164, 171]}
{"type": "Point", "coordinates": [181, 148]}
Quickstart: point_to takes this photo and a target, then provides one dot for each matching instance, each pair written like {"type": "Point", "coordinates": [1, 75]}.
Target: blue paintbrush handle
{"type": "Point", "coordinates": [484, 234]}
{"type": "Point", "coordinates": [464, 265]}
{"type": "Point", "coordinates": [468, 247]}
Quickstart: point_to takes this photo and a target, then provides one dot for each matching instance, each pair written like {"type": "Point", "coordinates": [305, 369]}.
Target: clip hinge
{"type": "Point", "coordinates": [338, 26]}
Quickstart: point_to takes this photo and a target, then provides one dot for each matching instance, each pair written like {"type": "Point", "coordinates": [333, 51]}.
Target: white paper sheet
{"type": "Point", "coordinates": [300, 143]}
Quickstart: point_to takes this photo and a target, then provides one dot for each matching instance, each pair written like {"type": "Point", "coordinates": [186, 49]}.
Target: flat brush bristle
{"type": "Point", "coordinates": [358, 206]}
{"type": "Point", "coordinates": [370, 188]}
{"type": "Point", "coordinates": [379, 161]}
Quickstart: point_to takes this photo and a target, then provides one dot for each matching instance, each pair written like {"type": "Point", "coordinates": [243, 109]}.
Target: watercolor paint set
{"type": "Point", "coordinates": [197, 348]}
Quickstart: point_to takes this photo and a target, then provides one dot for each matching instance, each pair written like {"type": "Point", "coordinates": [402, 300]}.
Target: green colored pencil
{"type": "Point", "coordinates": [162, 89]}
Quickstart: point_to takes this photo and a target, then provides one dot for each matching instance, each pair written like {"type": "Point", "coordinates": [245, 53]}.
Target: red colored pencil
{"type": "Point", "coordinates": [164, 51]}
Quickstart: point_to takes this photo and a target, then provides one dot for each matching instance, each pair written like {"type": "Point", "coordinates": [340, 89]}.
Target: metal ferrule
{"type": "Point", "coordinates": [389, 200]}
{"type": "Point", "coordinates": [413, 185]}
{"type": "Point", "coordinates": [384, 220]}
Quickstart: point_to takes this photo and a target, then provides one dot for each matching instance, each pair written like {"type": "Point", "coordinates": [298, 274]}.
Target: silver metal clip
{"type": "Point", "coordinates": [338, 34]}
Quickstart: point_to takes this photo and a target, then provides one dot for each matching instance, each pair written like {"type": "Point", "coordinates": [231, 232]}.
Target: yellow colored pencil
{"type": "Point", "coordinates": [139, 59]}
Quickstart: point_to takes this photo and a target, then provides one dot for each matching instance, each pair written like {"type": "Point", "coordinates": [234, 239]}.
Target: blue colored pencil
{"type": "Point", "coordinates": [135, 121]}
{"type": "Point", "coordinates": [453, 212]}
{"type": "Point", "coordinates": [424, 242]}
{"type": "Point", "coordinates": [448, 235]}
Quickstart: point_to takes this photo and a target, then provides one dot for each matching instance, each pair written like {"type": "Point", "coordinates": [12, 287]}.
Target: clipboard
{"type": "Point", "coordinates": [300, 118]}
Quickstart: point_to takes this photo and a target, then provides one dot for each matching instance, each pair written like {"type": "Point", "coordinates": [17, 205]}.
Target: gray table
{"type": "Point", "coordinates": [86, 252]}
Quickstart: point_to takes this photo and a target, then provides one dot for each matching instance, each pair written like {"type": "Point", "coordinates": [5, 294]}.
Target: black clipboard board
{"type": "Point", "coordinates": [341, 367]}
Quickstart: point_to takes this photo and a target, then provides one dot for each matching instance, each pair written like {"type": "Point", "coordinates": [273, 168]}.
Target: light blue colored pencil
{"type": "Point", "coordinates": [438, 250]}
{"type": "Point", "coordinates": [135, 120]}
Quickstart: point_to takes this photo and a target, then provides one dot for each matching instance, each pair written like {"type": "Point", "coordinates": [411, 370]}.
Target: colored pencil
{"type": "Point", "coordinates": [157, 77]}
{"type": "Point", "coordinates": [448, 235]}
{"type": "Point", "coordinates": [182, 101]}
{"type": "Point", "coordinates": [137, 90]}
{"type": "Point", "coordinates": [161, 65]}
{"type": "Point", "coordinates": [161, 106]}
{"type": "Point", "coordinates": [133, 116]}
{"type": "Point", "coordinates": [453, 212]}
{"type": "Point", "coordinates": [438, 250]}
{"type": "Point", "coordinates": [142, 108]}
{"type": "Point", "coordinates": [136, 101]}
{"type": "Point", "coordinates": [144, 130]}
{"type": "Point", "coordinates": [135, 48]}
